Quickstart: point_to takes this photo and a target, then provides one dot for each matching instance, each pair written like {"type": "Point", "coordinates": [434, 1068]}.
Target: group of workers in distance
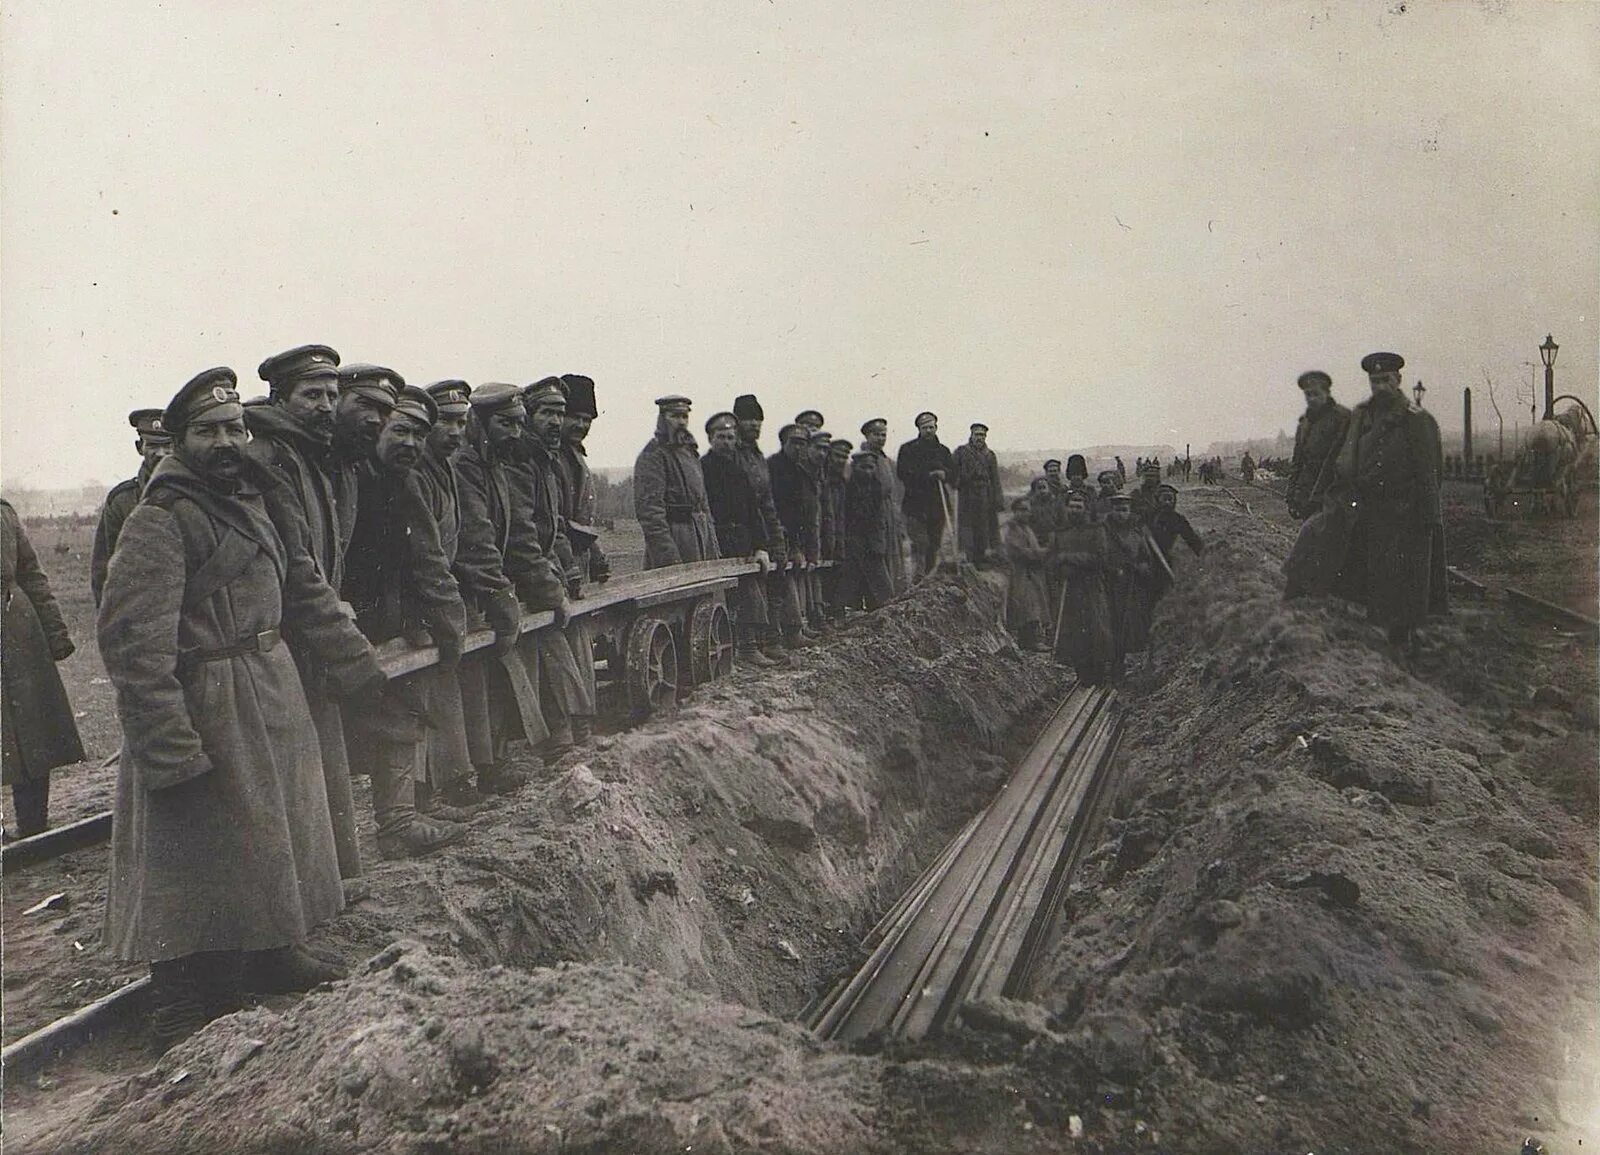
{"type": "Point", "coordinates": [1089, 563]}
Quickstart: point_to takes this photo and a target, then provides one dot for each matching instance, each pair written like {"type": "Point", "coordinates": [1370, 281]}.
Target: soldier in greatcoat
{"type": "Point", "coordinates": [544, 567]}
{"type": "Point", "coordinates": [1084, 635]}
{"type": "Point", "coordinates": [222, 844]}
{"type": "Point", "coordinates": [1317, 440]}
{"type": "Point", "coordinates": [975, 475]}
{"type": "Point", "coordinates": [1131, 576]}
{"type": "Point", "coordinates": [498, 685]}
{"type": "Point", "coordinates": [924, 466]}
{"type": "Point", "coordinates": [784, 621]}
{"type": "Point", "coordinates": [869, 533]}
{"type": "Point", "coordinates": [797, 496]}
{"type": "Point", "coordinates": [293, 436]}
{"type": "Point", "coordinates": [875, 440]}
{"type": "Point", "coordinates": [445, 762]}
{"type": "Point", "coordinates": [1390, 467]}
{"type": "Point", "coordinates": [578, 497]}
{"type": "Point", "coordinates": [741, 533]}
{"type": "Point", "coordinates": [37, 729]}
{"type": "Point", "coordinates": [669, 493]}
{"type": "Point", "coordinates": [400, 585]}
{"type": "Point", "coordinates": [153, 443]}
{"type": "Point", "coordinates": [1027, 606]}
{"type": "Point", "coordinates": [836, 481]}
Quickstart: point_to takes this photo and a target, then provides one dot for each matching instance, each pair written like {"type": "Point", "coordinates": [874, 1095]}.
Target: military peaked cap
{"type": "Point", "coordinates": [495, 395]}
{"type": "Point", "coordinates": [1053, 461]}
{"type": "Point", "coordinates": [416, 404]}
{"type": "Point", "coordinates": [719, 420]}
{"type": "Point", "coordinates": [800, 417]}
{"type": "Point", "coordinates": [1316, 377]}
{"type": "Point", "coordinates": [450, 395]}
{"type": "Point", "coordinates": [979, 427]}
{"type": "Point", "coordinates": [674, 401]}
{"type": "Point", "coordinates": [747, 408]}
{"type": "Point", "coordinates": [544, 389]}
{"type": "Point", "coordinates": [299, 364]}
{"type": "Point", "coordinates": [211, 394]}
{"type": "Point", "coordinates": [375, 381]}
{"type": "Point", "coordinates": [866, 426]}
{"type": "Point", "coordinates": [1375, 363]}
{"type": "Point", "coordinates": [148, 423]}
{"type": "Point", "coordinates": [925, 413]}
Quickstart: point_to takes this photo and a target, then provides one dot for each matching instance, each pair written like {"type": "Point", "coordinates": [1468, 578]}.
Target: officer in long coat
{"type": "Point", "coordinates": [496, 687]}
{"type": "Point", "coordinates": [222, 841]}
{"type": "Point", "coordinates": [153, 443]}
{"type": "Point", "coordinates": [1084, 633]}
{"type": "Point", "coordinates": [669, 492]}
{"type": "Point", "coordinates": [976, 477]}
{"type": "Point", "coordinates": [797, 496]}
{"type": "Point", "coordinates": [875, 440]}
{"type": "Point", "coordinates": [293, 436]}
{"type": "Point", "coordinates": [1390, 466]}
{"type": "Point", "coordinates": [400, 586]}
{"type": "Point", "coordinates": [37, 729]}
{"type": "Point", "coordinates": [1027, 597]}
{"type": "Point", "coordinates": [1317, 440]}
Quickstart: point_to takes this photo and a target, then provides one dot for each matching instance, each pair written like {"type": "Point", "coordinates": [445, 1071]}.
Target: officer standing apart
{"type": "Point", "coordinates": [669, 492]}
{"type": "Point", "coordinates": [977, 480]}
{"type": "Point", "coordinates": [1392, 460]}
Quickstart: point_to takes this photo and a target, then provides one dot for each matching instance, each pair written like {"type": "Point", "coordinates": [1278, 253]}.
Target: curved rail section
{"type": "Point", "coordinates": [971, 928]}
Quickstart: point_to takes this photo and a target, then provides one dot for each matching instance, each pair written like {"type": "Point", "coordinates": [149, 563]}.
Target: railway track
{"type": "Point", "coordinates": [971, 927]}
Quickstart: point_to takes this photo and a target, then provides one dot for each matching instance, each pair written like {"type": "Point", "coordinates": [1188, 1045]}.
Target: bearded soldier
{"type": "Point", "coordinates": [153, 443]}
{"type": "Point", "coordinates": [222, 843]}
{"type": "Point", "coordinates": [741, 532]}
{"type": "Point", "coordinates": [976, 475]}
{"type": "Point", "coordinates": [669, 492]}
{"type": "Point", "coordinates": [783, 607]}
{"type": "Point", "coordinates": [577, 482]}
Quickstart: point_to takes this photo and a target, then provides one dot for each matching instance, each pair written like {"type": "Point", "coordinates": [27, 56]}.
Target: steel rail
{"type": "Point", "coordinates": [846, 1007]}
{"type": "Point", "coordinates": [33, 1051]}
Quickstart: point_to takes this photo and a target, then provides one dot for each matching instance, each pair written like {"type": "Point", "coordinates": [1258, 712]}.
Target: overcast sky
{"type": "Point", "coordinates": [1081, 223]}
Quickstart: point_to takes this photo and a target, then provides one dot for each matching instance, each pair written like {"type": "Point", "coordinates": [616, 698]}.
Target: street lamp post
{"type": "Point", "coordinates": [1547, 354]}
{"type": "Point", "coordinates": [1417, 391]}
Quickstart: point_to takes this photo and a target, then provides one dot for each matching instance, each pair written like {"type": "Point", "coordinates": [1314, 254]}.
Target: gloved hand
{"type": "Point", "coordinates": [562, 612]}
{"type": "Point", "coordinates": [574, 588]}
{"type": "Point", "coordinates": [449, 643]}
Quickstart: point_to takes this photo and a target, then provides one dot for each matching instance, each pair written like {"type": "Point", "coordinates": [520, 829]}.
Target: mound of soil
{"type": "Point", "coordinates": [1337, 910]}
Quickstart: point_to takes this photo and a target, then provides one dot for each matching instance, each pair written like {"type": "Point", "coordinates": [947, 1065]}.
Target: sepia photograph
{"type": "Point", "coordinates": [800, 577]}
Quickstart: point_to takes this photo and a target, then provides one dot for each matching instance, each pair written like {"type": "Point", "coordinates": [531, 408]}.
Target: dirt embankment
{"type": "Point", "coordinates": [1348, 903]}
{"type": "Point", "coordinates": [737, 850]}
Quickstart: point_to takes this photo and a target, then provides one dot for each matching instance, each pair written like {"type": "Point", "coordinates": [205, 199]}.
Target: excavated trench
{"type": "Point", "coordinates": [1344, 904]}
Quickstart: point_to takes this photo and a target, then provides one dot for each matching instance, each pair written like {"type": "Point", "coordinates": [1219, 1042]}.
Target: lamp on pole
{"type": "Point", "coordinates": [1417, 391]}
{"type": "Point", "coordinates": [1547, 354]}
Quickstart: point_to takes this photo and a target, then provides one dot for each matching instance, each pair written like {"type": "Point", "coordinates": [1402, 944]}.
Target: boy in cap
{"type": "Point", "coordinates": [977, 481]}
{"type": "Point", "coordinates": [400, 585]}
{"type": "Point", "coordinates": [1317, 439]}
{"type": "Point", "coordinates": [669, 491]}
{"type": "Point", "coordinates": [153, 443]}
{"type": "Point", "coordinates": [222, 849]}
{"type": "Point", "coordinates": [923, 466]}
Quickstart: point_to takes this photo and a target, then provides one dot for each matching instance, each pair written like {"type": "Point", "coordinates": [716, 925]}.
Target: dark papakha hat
{"type": "Point", "coordinates": [299, 364]}
{"type": "Point", "coordinates": [1315, 377]}
{"type": "Point", "coordinates": [747, 408]}
{"type": "Point", "coordinates": [1374, 363]}
{"type": "Point", "coordinates": [212, 394]}
{"type": "Point", "coordinates": [1077, 466]}
{"type": "Point", "coordinates": [580, 395]}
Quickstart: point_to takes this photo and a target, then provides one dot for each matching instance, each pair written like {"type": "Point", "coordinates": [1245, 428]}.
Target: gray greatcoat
{"type": "Point", "coordinates": [37, 725]}
{"type": "Point", "coordinates": [669, 499]}
{"type": "Point", "coordinates": [221, 836]}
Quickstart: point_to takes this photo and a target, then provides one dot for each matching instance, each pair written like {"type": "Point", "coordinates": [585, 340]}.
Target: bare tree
{"type": "Point", "coordinates": [1488, 381]}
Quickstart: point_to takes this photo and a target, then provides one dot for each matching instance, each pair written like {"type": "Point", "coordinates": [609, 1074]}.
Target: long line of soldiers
{"type": "Point", "coordinates": [245, 577]}
{"type": "Point", "coordinates": [1089, 563]}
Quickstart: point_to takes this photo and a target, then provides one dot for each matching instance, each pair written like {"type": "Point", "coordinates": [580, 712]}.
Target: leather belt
{"type": "Point", "coordinates": [260, 643]}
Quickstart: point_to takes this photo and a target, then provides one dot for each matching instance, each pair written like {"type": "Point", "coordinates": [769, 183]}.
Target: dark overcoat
{"type": "Point", "coordinates": [914, 464]}
{"type": "Point", "coordinates": [1027, 596]}
{"type": "Point", "coordinates": [1317, 440]}
{"type": "Point", "coordinates": [118, 505]}
{"type": "Point", "coordinates": [221, 835]}
{"type": "Point", "coordinates": [669, 499]}
{"type": "Point", "coordinates": [735, 508]}
{"type": "Point", "coordinates": [578, 506]}
{"type": "Point", "coordinates": [1084, 635]}
{"type": "Point", "coordinates": [797, 496]}
{"type": "Point", "coordinates": [977, 480]}
{"type": "Point", "coordinates": [39, 732]}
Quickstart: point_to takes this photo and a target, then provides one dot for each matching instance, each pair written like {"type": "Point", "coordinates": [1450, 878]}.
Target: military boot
{"type": "Point", "coordinates": [460, 795]}
{"type": "Point", "coordinates": [560, 741]}
{"type": "Point", "coordinates": [501, 779]}
{"type": "Point", "coordinates": [288, 969]}
{"type": "Point", "coordinates": [419, 837]}
{"type": "Point", "coordinates": [583, 730]}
